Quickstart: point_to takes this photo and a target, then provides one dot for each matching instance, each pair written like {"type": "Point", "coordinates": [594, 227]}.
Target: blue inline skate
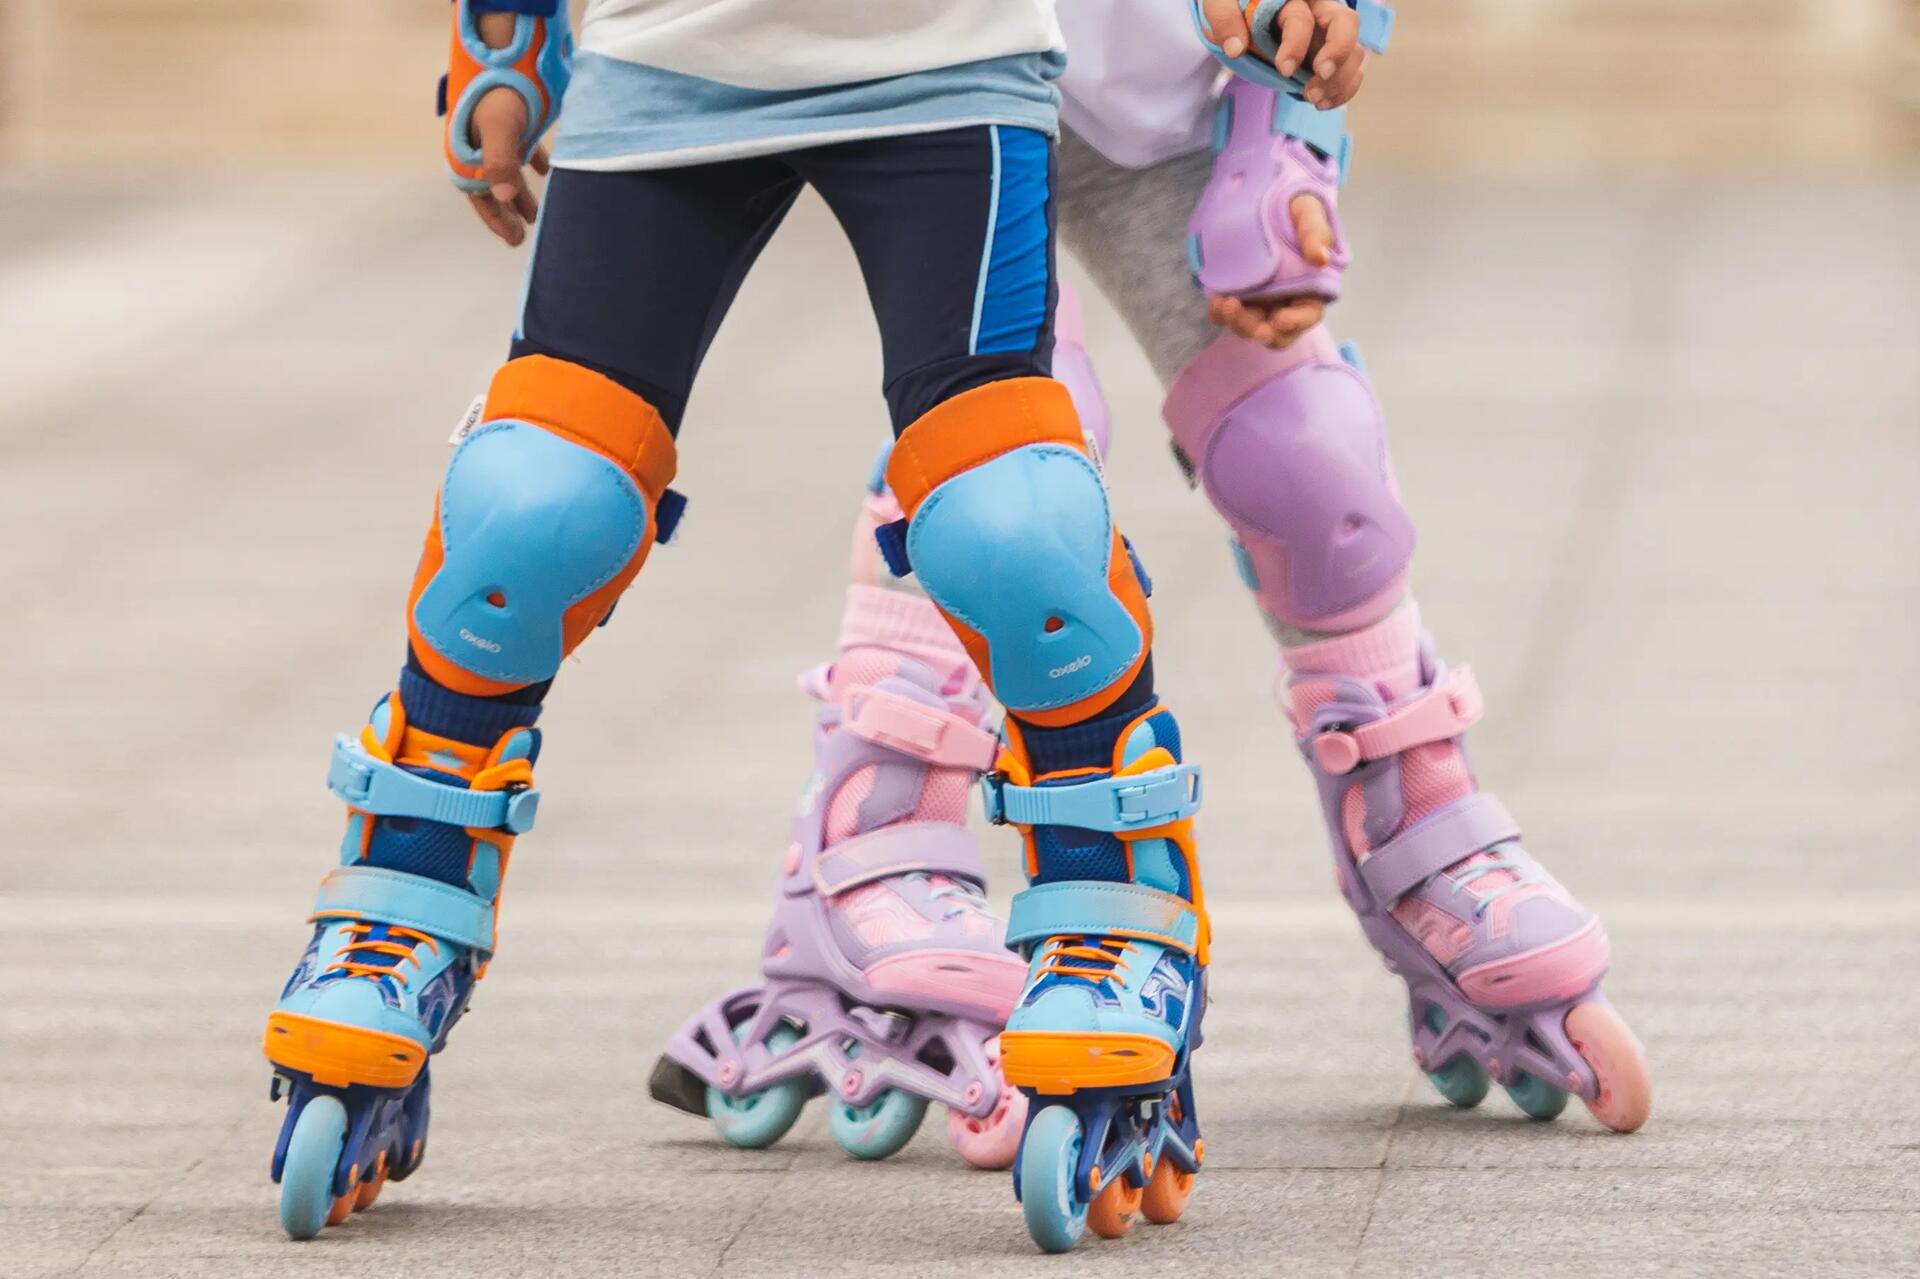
{"type": "Point", "coordinates": [1115, 930]}
{"type": "Point", "coordinates": [393, 958]}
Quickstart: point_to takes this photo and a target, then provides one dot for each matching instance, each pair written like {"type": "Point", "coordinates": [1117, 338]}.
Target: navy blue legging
{"type": "Point", "coordinates": [633, 271]}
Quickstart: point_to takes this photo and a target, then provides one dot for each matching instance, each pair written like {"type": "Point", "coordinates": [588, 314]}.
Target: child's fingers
{"type": "Point", "coordinates": [542, 161]}
{"type": "Point", "coordinates": [1226, 26]}
{"type": "Point", "coordinates": [1341, 27]}
{"type": "Point", "coordinates": [1312, 229]}
{"type": "Point", "coordinates": [1290, 319]}
{"type": "Point", "coordinates": [1296, 31]}
{"type": "Point", "coordinates": [1340, 90]}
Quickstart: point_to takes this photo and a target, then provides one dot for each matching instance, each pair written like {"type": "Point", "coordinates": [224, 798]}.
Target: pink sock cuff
{"type": "Point", "coordinates": [1387, 652]}
{"type": "Point", "coordinates": [905, 622]}
{"type": "Point", "coordinates": [1226, 372]}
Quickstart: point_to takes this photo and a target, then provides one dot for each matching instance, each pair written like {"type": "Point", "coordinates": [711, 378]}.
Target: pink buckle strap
{"type": "Point", "coordinates": [1443, 712]}
{"type": "Point", "coordinates": [902, 724]}
{"type": "Point", "coordinates": [938, 848]}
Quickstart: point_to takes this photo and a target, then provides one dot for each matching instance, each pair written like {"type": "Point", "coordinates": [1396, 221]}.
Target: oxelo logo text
{"type": "Point", "coordinates": [485, 645]}
{"type": "Point", "coordinates": [1077, 664]}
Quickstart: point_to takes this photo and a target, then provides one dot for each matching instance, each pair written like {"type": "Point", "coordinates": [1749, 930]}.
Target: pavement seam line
{"type": "Point", "coordinates": [1379, 1182]}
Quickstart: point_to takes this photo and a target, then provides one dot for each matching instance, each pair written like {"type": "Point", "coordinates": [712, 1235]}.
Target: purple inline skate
{"type": "Point", "coordinates": [887, 978]}
{"type": "Point", "coordinates": [1503, 967]}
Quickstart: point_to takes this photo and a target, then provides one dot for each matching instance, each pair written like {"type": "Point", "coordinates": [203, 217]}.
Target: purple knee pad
{"type": "Point", "coordinates": [1074, 370]}
{"type": "Point", "coordinates": [1291, 447]}
{"type": "Point", "coordinates": [1240, 241]}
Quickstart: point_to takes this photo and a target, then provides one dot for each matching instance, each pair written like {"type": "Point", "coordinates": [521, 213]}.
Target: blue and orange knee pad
{"type": "Point", "coordinates": [1009, 529]}
{"type": "Point", "coordinates": [547, 511]}
{"type": "Point", "coordinates": [536, 64]}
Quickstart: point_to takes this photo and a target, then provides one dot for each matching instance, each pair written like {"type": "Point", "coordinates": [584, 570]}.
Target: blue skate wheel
{"type": "Point", "coordinates": [1537, 1098]}
{"type": "Point", "coordinates": [759, 1119]}
{"type": "Point", "coordinates": [313, 1154]}
{"type": "Point", "coordinates": [1463, 1081]}
{"type": "Point", "coordinates": [1050, 1195]}
{"type": "Point", "coordinates": [880, 1128]}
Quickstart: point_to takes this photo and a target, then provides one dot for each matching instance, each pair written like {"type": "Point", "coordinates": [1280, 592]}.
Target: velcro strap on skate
{"type": "Point", "coordinates": [441, 911]}
{"type": "Point", "coordinates": [938, 848]}
{"type": "Point", "coordinates": [1092, 908]}
{"type": "Point", "coordinates": [1451, 835]}
{"type": "Point", "coordinates": [1443, 712]}
{"type": "Point", "coordinates": [386, 790]}
{"type": "Point", "coordinates": [933, 734]}
{"type": "Point", "coordinates": [1133, 801]}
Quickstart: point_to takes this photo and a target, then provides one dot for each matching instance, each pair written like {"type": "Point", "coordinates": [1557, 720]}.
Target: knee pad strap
{"type": "Point", "coordinates": [548, 509]}
{"type": "Point", "coordinates": [1291, 448]}
{"type": "Point", "coordinates": [1011, 534]}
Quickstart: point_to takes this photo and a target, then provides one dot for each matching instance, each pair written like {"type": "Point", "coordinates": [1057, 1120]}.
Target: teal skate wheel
{"type": "Point", "coordinates": [1537, 1098]}
{"type": "Point", "coordinates": [1463, 1081]}
{"type": "Point", "coordinates": [880, 1128]}
{"type": "Point", "coordinates": [313, 1153]}
{"type": "Point", "coordinates": [759, 1119]}
{"type": "Point", "coordinates": [1050, 1195]}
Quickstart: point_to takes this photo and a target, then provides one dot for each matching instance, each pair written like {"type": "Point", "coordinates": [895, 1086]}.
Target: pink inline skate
{"type": "Point", "coordinates": [887, 977]}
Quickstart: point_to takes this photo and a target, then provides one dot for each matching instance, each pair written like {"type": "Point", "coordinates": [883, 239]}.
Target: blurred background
{"type": "Point", "coordinates": [1639, 286]}
{"type": "Point", "coordinates": [1567, 87]}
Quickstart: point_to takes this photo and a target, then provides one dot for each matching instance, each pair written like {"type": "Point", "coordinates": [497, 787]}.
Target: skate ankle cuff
{"type": "Point", "coordinates": [931, 735]}
{"type": "Point", "coordinates": [1132, 802]}
{"type": "Point", "coordinates": [936, 848]}
{"type": "Point", "coordinates": [1093, 908]}
{"type": "Point", "coordinates": [1441, 713]}
{"type": "Point", "coordinates": [374, 786]}
{"type": "Point", "coordinates": [374, 895]}
{"type": "Point", "coordinates": [1450, 836]}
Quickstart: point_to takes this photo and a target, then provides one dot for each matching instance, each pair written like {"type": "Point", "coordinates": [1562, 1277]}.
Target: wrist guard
{"type": "Point", "coordinates": [536, 64]}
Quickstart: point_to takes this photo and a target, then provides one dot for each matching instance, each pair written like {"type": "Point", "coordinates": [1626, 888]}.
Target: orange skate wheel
{"type": "Point", "coordinates": [1112, 1211]}
{"type": "Point", "coordinates": [1166, 1195]}
{"type": "Point", "coordinates": [370, 1189]}
{"type": "Point", "coordinates": [342, 1209]}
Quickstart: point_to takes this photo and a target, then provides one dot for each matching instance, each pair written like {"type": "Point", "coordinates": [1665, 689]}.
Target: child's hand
{"type": "Point", "coordinates": [1276, 322]}
{"type": "Point", "coordinates": [1322, 35]}
{"type": "Point", "coordinates": [497, 127]}
{"type": "Point", "coordinates": [508, 205]}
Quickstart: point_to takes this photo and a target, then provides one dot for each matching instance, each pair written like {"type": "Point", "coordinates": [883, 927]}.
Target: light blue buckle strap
{"type": "Point", "coordinates": [386, 790]}
{"type": "Point", "coordinates": [1376, 24]}
{"type": "Point", "coordinates": [1324, 131]}
{"type": "Point", "coordinates": [1096, 908]}
{"type": "Point", "coordinates": [441, 911]}
{"type": "Point", "coordinates": [1133, 801]}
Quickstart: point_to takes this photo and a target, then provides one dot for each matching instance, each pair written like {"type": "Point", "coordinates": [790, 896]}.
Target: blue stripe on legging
{"type": "Point", "coordinates": [1011, 305]}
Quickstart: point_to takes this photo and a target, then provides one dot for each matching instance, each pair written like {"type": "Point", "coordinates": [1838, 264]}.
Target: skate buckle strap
{"type": "Point", "coordinates": [1443, 712]}
{"type": "Point", "coordinates": [1131, 801]}
{"type": "Point", "coordinates": [1451, 835]}
{"type": "Point", "coordinates": [1097, 908]}
{"type": "Point", "coordinates": [378, 896]}
{"type": "Point", "coordinates": [899, 723]}
{"type": "Point", "coordinates": [939, 848]}
{"type": "Point", "coordinates": [386, 790]}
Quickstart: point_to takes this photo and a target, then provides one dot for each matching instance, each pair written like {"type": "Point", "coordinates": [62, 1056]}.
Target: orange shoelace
{"type": "Point", "coordinates": [399, 952]}
{"type": "Point", "coordinates": [1106, 951]}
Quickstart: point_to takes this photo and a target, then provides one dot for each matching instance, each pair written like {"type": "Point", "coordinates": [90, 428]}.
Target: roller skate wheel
{"type": "Point", "coordinates": [1114, 1209]}
{"type": "Point", "coordinates": [880, 1128]}
{"type": "Point", "coordinates": [1049, 1182]}
{"type": "Point", "coordinates": [1463, 1081]}
{"type": "Point", "coordinates": [313, 1154]}
{"type": "Point", "coordinates": [342, 1208]}
{"type": "Point", "coordinates": [370, 1188]}
{"type": "Point", "coordinates": [1537, 1098]}
{"type": "Point", "coordinates": [759, 1119]}
{"type": "Point", "coordinates": [992, 1142]}
{"type": "Point", "coordinates": [1166, 1194]}
{"type": "Point", "coordinates": [1625, 1095]}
